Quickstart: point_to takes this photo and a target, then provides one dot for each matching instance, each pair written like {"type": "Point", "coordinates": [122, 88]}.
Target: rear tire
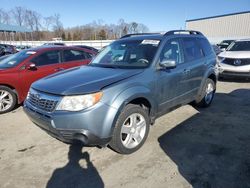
{"type": "Point", "coordinates": [207, 94]}
{"type": "Point", "coordinates": [131, 129]}
{"type": "Point", "coordinates": [8, 99]}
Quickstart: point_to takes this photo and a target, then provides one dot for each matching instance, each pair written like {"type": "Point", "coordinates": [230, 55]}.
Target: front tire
{"type": "Point", "coordinates": [8, 99]}
{"type": "Point", "coordinates": [207, 94]}
{"type": "Point", "coordinates": [131, 129]}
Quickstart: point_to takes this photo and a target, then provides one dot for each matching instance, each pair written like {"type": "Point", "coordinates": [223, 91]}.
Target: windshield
{"type": "Point", "coordinates": [239, 46]}
{"type": "Point", "coordinates": [14, 60]}
{"type": "Point", "coordinates": [127, 54]}
{"type": "Point", "coordinates": [226, 42]}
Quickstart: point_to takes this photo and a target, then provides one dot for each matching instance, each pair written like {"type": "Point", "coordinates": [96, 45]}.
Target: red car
{"type": "Point", "coordinates": [19, 71]}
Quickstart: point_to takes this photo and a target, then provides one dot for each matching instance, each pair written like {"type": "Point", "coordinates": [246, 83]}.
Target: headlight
{"type": "Point", "coordinates": [79, 102]}
{"type": "Point", "coordinates": [220, 59]}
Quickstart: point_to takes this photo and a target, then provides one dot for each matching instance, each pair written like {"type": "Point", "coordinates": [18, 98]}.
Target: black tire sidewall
{"type": "Point", "coordinates": [116, 143]}
{"type": "Point", "coordinates": [203, 102]}
{"type": "Point", "coordinates": [13, 96]}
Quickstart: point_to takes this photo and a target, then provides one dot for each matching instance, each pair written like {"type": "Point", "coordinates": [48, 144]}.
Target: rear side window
{"type": "Point", "coordinates": [47, 58]}
{"type": "Point", "coordinates": [206, 47]}
{"type": "Point", "coordinates": [192, 49]}
{"type": "Point", "coordinates": [74, 55]}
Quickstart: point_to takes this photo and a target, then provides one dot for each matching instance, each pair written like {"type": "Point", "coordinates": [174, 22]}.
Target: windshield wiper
{"type": "Point", "coordinates": [104, 66]}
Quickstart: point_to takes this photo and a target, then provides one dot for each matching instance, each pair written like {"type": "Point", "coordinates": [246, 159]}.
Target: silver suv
{"type": "Point", "coordinates": [235, 61]}
{"type": "Point", "coordinates": [129, 84]}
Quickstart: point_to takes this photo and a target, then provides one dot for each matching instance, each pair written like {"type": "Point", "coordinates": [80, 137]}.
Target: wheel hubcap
{"type": "Point", "coordinates": [209, 93]}
{"type": "Point", "coordinates": [6, 100]}
{"type": "Point", "coordinates": [133, 130]}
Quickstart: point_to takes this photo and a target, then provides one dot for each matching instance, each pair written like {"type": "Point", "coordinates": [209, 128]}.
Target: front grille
{"type": "Point", "coordinates": [42, 103]}
{"type": "Point", "coordinates": [236, 62]}
{"type": "Point", "coordinates": [235, 73]}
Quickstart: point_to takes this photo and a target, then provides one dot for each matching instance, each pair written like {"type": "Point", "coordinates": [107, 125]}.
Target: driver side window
{"type": "Point", "coordinates": [171, 51]}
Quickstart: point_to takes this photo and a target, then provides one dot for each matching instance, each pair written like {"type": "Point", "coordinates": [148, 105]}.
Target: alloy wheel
{"type": "Point", "coordinates": [6, 100]}
{"type": "Point", "coordinates": [133, 130]}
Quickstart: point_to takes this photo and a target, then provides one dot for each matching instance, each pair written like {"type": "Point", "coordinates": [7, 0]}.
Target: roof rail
{"type": "Point", "coordinates": [138, 34]}
{"type": "Point", "coordinates": [191, 32]}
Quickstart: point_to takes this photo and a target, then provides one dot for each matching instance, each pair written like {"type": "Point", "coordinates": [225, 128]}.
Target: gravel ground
{"type": "Point", "coordinates": [186, 148]}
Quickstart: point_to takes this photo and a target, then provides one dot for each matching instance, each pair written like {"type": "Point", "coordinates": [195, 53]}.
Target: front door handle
{"type": "Point", "coordinates": [59, 69]}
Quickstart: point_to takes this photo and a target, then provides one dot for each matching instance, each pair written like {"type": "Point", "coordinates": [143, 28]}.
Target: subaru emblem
{"type": "Point", "coordinates": [37, 96]}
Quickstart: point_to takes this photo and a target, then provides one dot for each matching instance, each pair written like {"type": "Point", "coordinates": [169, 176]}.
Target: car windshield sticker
{"type": "Point", "coordinates": [30, 52]}
{"type": "Point", "coordinates": [153, 42]}
{"type": "Point", "coordinates": [132, 56]}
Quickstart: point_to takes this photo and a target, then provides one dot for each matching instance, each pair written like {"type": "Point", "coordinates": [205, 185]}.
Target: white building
{"type": "Point", "coordinates": [218, 28]}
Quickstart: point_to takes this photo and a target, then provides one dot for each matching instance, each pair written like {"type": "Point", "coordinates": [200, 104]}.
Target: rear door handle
{"type": "Point", "coordinates": [59, 69]}
{"type": "Point", "coordinates": [186, 71]}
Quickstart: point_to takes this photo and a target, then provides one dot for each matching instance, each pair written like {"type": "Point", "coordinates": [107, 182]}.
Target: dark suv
{"type": "Point", "coordinates": [124, 89]}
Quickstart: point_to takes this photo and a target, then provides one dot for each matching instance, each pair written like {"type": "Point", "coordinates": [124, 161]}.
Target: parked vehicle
{"type": "Point", "coordinates": [88, 47]}
{"type": "Point", "coordinates": [54, 44]}
{"type": "Point", "coordinates": [19, 70]}
{"type": "Point", "coordinates": [216, 49]}
{"type": "Point", "coordinates": [235, 61]}
{"type": "Point", "coordinates": [2, 51]}
{"type": "Point", "coordinates": [4, 57]}
{"type": "Point", "coordinates": [126, 87]}
{"type": "Point", "coordinates": [224, 44]}
{"type": "Point", "coordinates": [22, 47]}
{"type": "Point", "coordinates": [7, 49]}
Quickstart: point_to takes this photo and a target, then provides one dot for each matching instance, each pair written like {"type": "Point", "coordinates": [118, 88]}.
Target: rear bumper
{"type": "Point", "coordinates": [58, 127]}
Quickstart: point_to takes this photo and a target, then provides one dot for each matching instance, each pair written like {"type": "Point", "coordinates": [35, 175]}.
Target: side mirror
{"type": "Point", "coordinates": [168, 64]}
{"type": "Point", "coordinates": [32, 66]}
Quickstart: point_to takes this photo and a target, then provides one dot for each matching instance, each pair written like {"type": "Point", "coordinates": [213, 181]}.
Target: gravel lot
{"type": "Point", "coordinates": [186, 148]}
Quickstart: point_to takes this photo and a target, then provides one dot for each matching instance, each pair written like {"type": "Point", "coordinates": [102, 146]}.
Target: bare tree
{"type": "Point", "coordinates": [19, 15]}
{"type": "Point", "coordinates": [58, 26]}
{"type": "Point", "coordinates": [141, 28]}
{"type": "Point", "coordinates": [48, 22]}
{"type": "Point", "coordinates": [4, 17]}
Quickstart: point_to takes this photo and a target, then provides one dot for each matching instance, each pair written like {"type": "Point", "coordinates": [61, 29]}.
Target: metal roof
{"type": "Point", "coordinates": [223, 15]}
{"type": "Point", "coordinates": [13, 28]}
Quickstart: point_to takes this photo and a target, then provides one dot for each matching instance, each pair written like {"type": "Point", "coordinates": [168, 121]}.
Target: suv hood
{"type": "Point", "coordinates": [82, 80]}
{"type": "Point", "coordinates": [235, 54]}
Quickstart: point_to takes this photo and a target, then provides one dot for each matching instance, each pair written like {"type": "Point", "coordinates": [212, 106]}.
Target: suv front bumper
{"type": "Point", "coordinates": [234, 71]}
{"type": "Point", "coordinates": [70, 127]}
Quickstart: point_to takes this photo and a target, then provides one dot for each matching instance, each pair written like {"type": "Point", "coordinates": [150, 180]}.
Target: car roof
{"type": "Point", "coordinates": [247, 40]}
{"type": "Point", "coordinates": [43, 48]}
{"type": "Point", "coordinates": [156, 36]}
{"type": "Point", "coordinates": [143, 37]}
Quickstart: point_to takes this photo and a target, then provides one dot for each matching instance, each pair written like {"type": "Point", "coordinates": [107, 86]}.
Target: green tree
{"type": "Point", "coordinates": [69, 36]}
{"type": "Point", "coordinates": [102, 34]}
{"type": "Point", "coordinates": [63, 36]}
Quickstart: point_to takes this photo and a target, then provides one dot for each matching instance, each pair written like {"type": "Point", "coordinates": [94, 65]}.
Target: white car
{"type": "Point", "coordinates": [235, 61]}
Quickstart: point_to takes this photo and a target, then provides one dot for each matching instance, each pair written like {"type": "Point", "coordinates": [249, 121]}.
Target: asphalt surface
{"type": "Point", "coordinates": [186, 148]}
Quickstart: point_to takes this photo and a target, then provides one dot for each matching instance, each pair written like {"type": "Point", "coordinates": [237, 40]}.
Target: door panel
{"type": "Point", "coordinates": [171, 83]}
{"type": "Point", "coordinates": [46, 63]}
{"type": "Point", "coordinates": [196, 62]}
{"type": "Point", "coordinates": [74, 58]}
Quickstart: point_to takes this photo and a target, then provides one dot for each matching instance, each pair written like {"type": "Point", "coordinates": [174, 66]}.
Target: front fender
{"type": "Point", "coordinates": [123, 99]}
{"type": "Point", "coordinates": [133, 93]}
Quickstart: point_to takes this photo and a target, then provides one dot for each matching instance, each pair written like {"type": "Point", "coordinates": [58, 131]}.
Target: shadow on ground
{"type": "Point", "coordinates": [212, 148]}
{"type": "Point", "coordinates": [72, 175]}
